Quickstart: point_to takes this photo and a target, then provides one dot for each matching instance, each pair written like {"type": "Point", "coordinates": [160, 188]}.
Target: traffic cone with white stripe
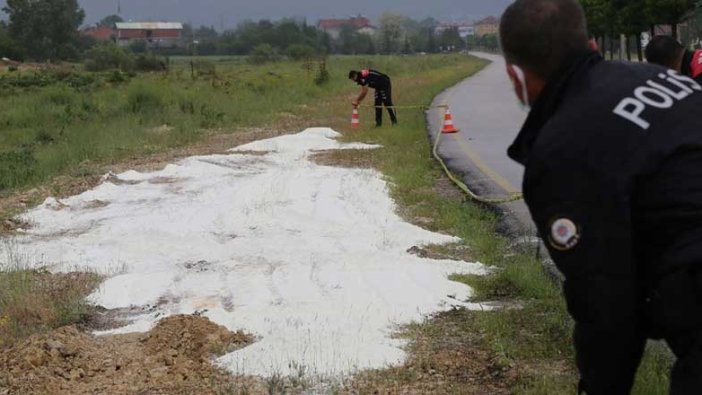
{"type": "Point", "coordinates": [448, 123]}
{"type": "Point", "coordinates": [355, 121]}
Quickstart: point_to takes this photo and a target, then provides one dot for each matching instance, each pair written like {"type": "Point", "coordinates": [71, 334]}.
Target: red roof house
{"type": "Point", "coordinates": [334, 26]}
{"type": "Point", "coordinates": [99, 33]}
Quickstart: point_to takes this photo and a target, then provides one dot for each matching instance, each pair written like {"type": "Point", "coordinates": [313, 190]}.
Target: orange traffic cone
{"type": "Point", "coordinates": [355, 122]}
{"type": "Point", "coordinates": [448, 123]}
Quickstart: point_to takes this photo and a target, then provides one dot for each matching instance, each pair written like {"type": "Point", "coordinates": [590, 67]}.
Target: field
{"type": "Point", "coordinates": [58, 129]}
{"type": "Point", "coordinates": [58, 139]}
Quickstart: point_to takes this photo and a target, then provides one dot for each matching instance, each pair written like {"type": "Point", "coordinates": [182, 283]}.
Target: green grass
{"type": "Point", "coordinates": [51, 131]}
{"type": "Point", "coordinates": [36, 301]}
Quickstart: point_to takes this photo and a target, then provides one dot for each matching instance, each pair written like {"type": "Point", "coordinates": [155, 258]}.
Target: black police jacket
{"type": "Point", "coordinates": [373, 79]}
{"type": "Point", "coordinates": [613, 180]}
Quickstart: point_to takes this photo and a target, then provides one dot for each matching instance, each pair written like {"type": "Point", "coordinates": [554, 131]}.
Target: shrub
{"type": "Point", "coordinates": [300, 52]}
{"type": "Point", "coordinates": [16, 167]}
{"type": "Point", "coordinates": [322, 73]}
{"type": "Point", "coordinates": [150, 62]}
{"type": "Point", "coordinates": [59, 95]}
{"type": "Point", "coordinates": [117, 76]}
{"type": "Point", "coordinates": [76, 80]}
{"type": "Point", "coordinates": [263, 53]}
{"type": "Point", "coordinates": [44, 137]}
{"type": "Point", "coordinates": [138, 46]}
{"type": "Point", "coordinates": [204, 67]}
{"type": "Point", "coordinates": [143, 98]}
{"type": "Point", "coordinates": [107, 57]}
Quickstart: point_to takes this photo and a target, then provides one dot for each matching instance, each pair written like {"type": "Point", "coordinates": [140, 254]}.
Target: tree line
{"type": "Point", "coordinates": [608, 19]}
{"type": "Point", "coordinates": [48, 30]}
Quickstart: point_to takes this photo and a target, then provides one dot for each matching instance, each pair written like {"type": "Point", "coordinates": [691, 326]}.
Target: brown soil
{"type": "Point", "coordinates": [351, 158]}
{"type": "Point", "coordinates": [173, 358]}
{"type": "Point", "coordinates": [447, 356]}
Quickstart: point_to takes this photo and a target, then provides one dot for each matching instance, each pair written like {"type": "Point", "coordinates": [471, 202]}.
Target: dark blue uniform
{"type": "Point", "coordinates": [613, 179]}
{"type": "Point", "coordinates": [383, 93]}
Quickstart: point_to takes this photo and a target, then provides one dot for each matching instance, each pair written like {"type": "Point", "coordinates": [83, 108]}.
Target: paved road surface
{"type": "Point", "coordinates": [487, 113]}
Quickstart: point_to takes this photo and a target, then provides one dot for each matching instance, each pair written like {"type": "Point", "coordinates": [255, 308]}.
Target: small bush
{"type": "Point", "coordinates": [59, 95]}
{"type": "Point", "coordinates": [40, 79]}
{"type": "Point", "coordinates": [138, 46]}
{"type": "Point", "coordinates": [107, 57]}
{"type": "Point", "coordinates": [44, 137]}
{"type": "Point", "coordinates": [204, 67]}
{"type": "Point", "coordinates": [300, 52]}
{"type": "Point", "coordinates": [76, 80]}
{"type": "Point", "coordinates": [263, 53]}
{"type": "Point", "coordinates": [187, 104]}
{"type": "Point", "coordinates": [142, 98]}
{"type": "Point", "coordinates": [36, 301]}
{"type": "Point", "coordinates": [16, 167]}
{"type": "Point", "coordinates": [117, 77]}
{"type": "Point", "coordinates": [150, 62]}
{"type": "Point", "coordinates": [322, 73]}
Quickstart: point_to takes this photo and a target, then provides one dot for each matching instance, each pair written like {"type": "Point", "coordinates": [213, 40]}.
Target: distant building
{"type": "Point", "coordinates": [155, 34]}
{"type": "Point", "coordinates": [333, 26]}
{"type": "Point", "coordinates": [489, 25]}
{"type": "Point", "coordinates": [99, 33]}
{"type": "Point", "coordinates": [465, 29]}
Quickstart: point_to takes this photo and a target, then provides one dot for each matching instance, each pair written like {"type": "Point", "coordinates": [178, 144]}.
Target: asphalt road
{"type": "Point", "coordinates": [486, 112]}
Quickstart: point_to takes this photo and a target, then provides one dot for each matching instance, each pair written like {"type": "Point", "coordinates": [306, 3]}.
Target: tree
{"type": "Point", "coordinates": [392, 32]}
{"type": "Point", "coordinates": [451, 40]}
{"type": "Point", "coordinates": [632, 20]}
{"type": "Point", "coordinates": [351, 42]}
{"type": "Point", "coordinates": [205, 33]}
{"type": "Point", "coordinates": [421, 35]}
{"type": "Point", "coordinates": [471, 42]}
{"type": "Point", "coordinates": [46, 29]}
{"type": "Point", "coordinates": [110, 21]}
{"type": "Point", "coordinates": [601, 19]}
{"type": "Point", "coordinates": [694, 30]}
{"type": "Point", "coordinates": [669, 12]}
{"type": "Point", "coordinates": [8, 47]}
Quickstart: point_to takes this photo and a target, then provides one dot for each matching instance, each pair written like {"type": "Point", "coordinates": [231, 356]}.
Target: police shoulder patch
{"type": "Point", "coordinates": [565, 234]}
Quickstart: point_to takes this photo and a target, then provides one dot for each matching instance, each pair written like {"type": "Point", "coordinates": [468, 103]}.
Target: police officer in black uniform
{"type": "Point", "coordinates": [613, 180]}
{"type": "Point", "coordinates": [383, 92]}
{"type": "Point", "coordinates": [667, 51]}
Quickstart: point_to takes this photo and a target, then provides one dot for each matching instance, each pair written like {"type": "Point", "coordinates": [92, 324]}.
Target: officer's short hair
{"type": "Point", "coordinates": [353, 74]}
{"type": "Point", "coordinates": [540, 34]}
{"type": "Point", "coordinates": [664, 50]}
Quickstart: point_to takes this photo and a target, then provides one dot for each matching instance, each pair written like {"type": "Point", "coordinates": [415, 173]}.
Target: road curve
{"type": "Point", "coordinates": [486, 112]}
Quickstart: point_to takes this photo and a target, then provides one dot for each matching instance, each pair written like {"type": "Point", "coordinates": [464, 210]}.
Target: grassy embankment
{"type": "Point", "coordinates": [59, 131]}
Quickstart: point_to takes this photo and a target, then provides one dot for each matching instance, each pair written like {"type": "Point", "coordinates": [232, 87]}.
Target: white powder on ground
{"type": "Point", "coordinates": [311, 259]}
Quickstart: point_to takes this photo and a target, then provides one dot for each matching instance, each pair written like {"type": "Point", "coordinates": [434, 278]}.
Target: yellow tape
{"type": "Point", "coordinates": [421, 107]}
{"type": "Point", "coordinates": [460, 184]}
{"type": "Point", "coordinates": [456, 180]}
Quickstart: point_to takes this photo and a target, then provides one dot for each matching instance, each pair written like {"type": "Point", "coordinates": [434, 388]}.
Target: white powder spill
{"type": "Point", "coordinates": [311, 259]}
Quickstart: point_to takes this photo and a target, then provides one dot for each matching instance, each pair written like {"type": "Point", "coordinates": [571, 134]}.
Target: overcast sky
{"type": "Point", "coordinates": [227, 13]}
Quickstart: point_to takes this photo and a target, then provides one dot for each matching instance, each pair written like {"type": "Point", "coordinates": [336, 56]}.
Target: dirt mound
{"type": "Point", "coordinates": [173, 358]}
{"type": "Point", "coordinates": [193, 337]}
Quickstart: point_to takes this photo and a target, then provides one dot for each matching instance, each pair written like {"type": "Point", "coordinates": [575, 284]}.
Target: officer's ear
{"type": "Point", "coordinates": [516, 75]}
{"type": "Point", "coordinates": [527, 84]}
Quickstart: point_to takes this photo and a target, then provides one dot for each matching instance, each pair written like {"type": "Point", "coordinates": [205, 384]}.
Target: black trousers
{"type": "Point", "coordinates": [383, 97]}
{"type": "Point", "coordinates": [614, 372]}
{"type": "Point", "coordinates": [686, 377]}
